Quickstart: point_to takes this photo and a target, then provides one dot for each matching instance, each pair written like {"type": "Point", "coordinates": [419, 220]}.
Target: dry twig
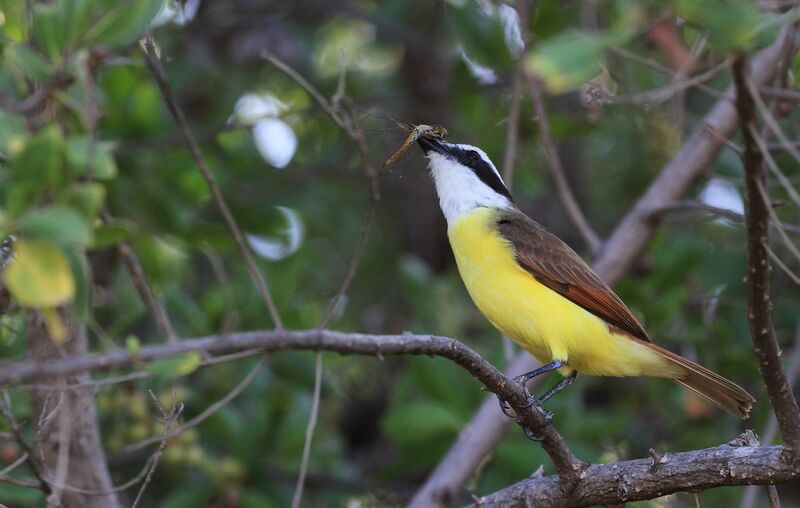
{"type": "Point", "coordinates": [759, 304]}
{"type": "Point", "coordinates": [169, 419]}
{"type": "Point", "coordinates": [177, 113]}
{"type": "Point", "coordinates": [562, 185]}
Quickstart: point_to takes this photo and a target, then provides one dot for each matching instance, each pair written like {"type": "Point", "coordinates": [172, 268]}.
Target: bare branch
{"type": "Point", "coordinates": [323, 340]}
{"type": "Point", "coordinates": [759, 304]}
{"type": "Point", "coordinates": [633, 480]}
{"type": "Point", "coordinates": [169, 419]}
{"type": "Point", "coordinates": [665, 93]}
{"type": "Point", "coordinates": [30, 454]}
{"type": "Point", "coordinates": [727, 213]}
{"type": "Point", "coordinates": [146, 293]}
{"type": "Point", "coordinates": [210, 410]}
{"type": "Point", "coordinates": [512, 126]}
{"type": "Point", "coordinates": [776, 170]}
{"type": "Point", "coordinates": [562, 185]}
{"type": "Point", "coordinates": [312, 423]}
{"type": "Point", "coordinates": [177, 113]}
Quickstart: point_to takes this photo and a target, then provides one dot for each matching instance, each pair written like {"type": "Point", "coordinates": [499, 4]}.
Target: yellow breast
{"type": "Point", "coordinates": [541, 321]}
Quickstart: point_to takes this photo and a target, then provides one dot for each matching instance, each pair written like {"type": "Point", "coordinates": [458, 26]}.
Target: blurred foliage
{"type": "Point", "coordinates": [83, 129]}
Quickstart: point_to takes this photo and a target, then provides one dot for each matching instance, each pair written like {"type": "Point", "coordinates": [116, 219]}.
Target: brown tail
{"type": "Point", "coordinates": [711, 386]}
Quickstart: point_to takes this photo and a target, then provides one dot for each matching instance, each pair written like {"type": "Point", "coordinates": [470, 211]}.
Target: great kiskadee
{"type": "Point", "coordinates": [537, 291]}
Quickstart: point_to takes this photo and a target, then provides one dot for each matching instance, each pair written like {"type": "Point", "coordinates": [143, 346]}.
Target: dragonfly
{"type": "Point", "coordinates": [414, 133]}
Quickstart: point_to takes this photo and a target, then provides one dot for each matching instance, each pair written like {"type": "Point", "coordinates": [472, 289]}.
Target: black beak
{"type": "Point", "coordinates": [433, 145]}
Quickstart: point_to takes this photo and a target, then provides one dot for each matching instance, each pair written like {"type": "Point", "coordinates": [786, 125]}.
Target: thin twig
{"type": "Point", "coordinates": [783, 94]}
{"type": "Point", "coordinates": [512, 126]}
{"type": "Point", "coordinates": [759, 304]}
{"type": "Point", "coordinates": [352, 268]}
{"type": "Point", "coordinates": [776, 170]}
{"type": "Point", "coordinates": [146, 293]}
{"type": "Point", "coordinates": [20, 460]}
{"type": "Point", "coordinates": [785, 269]}
{"type": "Point", "coordinates": [308, 87]}
{"type": "Point", "coordinates": [233, 227]}
{"type": "Point", "coordinates": [312, 423]}
{"type": "Point", "coordinates": [774, 219]}
{"type": "Point", "coordinates": [771, 122]}
{"type": "Point", "coordinates": [562, 185]}
{"type": "Point", "coordinates": [665, 93]}
{"type": "Point", "coordinates": [728, 143]}
{"type": "Point", "coordinates": [726, 213]}
{"type": "Point", "coordinates": [37, 468]}
{"type": "Point", "coordinates": [210, 410]}
{"type": "Point", "coordinates": [647, 62]}
{"type": "Point", "coordinates": [169, 419]}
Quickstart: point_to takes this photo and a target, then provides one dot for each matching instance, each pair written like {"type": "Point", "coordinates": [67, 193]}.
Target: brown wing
{"type": "Point", "coordinates": [558, 267]}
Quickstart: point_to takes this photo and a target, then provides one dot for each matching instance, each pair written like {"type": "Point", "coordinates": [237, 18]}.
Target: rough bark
{"type": "Point", "coordinates": [73, 419]}
{"type": "Point", "coordinates": [759, 301]}
{"type": "Point", "coordinates": [633, 480]}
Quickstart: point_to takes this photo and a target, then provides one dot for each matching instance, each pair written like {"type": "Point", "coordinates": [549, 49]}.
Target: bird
{"type": "Point", "coordinates": [538, 292]}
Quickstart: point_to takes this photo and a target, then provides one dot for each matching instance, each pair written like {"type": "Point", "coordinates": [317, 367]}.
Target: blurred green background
{"type": "Point", "coordinates": [294, 183]}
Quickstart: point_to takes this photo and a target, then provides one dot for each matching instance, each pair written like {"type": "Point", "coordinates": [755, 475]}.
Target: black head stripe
{"type": "Point", "coordinates": [481, 168]}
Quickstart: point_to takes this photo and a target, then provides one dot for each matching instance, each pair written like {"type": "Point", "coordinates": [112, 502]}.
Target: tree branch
{"type": "Point", "coordinates": [166, 92]}
{"type": "Point", "coordinates": [759, 303]}
{"type": "Point", "coordinates": [322, 340]}
{"type": "Point", "coordinates": [562, 185]}
{"type": "Point", "coordinates": [633, 480]}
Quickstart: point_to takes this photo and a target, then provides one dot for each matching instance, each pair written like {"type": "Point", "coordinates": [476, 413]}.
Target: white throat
{"type": "Point", "coordinates": [460, 190]}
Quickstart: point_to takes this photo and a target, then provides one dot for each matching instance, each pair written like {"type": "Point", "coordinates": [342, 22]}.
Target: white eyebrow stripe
{"type": "Point", "coordinates": [483, 155]}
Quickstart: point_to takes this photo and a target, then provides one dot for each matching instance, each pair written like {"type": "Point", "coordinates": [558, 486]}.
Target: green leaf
{"type": "Point", "coordinates": [175, 366]}
{"type": "Point", "coordinates": [48, 29]}
{"type": "Point", "coordinates": [123, 22]}
{"type": "Point", "coordinates": [421, 422]}
{"type": "Point", "coordinates": [37, 166]}
{"type": "Point", "coordinates": [731, 25]}
{"type": "Point", "coordinates": [86, 198]}
{"type": "Point", "coordinates": [31, 63]}
{"type": "Point", "coordinates": [39, 276]}
{"type": "Point", "coordinates": [82, 303]}
{"type": "Point", "coordinates": [95, 162]}
{"type": "Point", "coordinates": [56, 224]}
{"type": "Point", "coordinates": [133, 345]}
{"type": "Point", "coordinates": [12, 127]}
{"type": "Point", "coordinates": [75, 15]}
{"type": "Point", "coordinates": [112, 233]}
{"type": "Point", "coordinates": [571, 58]}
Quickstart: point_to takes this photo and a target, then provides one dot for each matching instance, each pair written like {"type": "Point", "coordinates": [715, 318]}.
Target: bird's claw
{"type": "Point", "coordinates": [505, 407]}
{"type": "Point", "coordinates": [507, 410]}
{"type": "Point", "coordinates": [548, 415]}
{"type": "Point", "coordinates": [528, 432]}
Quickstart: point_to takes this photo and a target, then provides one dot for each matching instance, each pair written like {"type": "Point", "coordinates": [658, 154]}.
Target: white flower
{"type": "Point", "coordinates": [274, 248]}
{"type": "Point", "coordinates": [275, 141]}
{"type": "Point", "coordinates": [721, 194]}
